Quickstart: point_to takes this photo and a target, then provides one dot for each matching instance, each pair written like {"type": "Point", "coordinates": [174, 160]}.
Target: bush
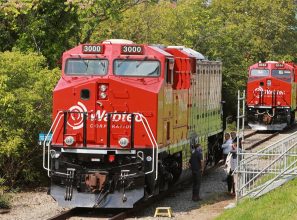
{"type": "Point", "coordinates": [25, 109]}
{"type": "Point", "coordinates": [4, 201]}
{"type": "Point", "coordinates": [4, 198]}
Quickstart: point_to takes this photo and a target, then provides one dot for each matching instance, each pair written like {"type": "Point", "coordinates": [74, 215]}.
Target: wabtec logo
{"type": "Point", "coordinates": [267, 92]}
{"type": "Point", "coordinates": [102, 116]}
{"type": "Point", "coordinates": [75, 119]}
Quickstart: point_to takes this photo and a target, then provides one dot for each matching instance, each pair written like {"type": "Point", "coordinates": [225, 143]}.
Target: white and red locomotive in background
{"type": "Point", "coordinates": [271, 95]}
{"type": "Point", "coordinates": [124, 117]}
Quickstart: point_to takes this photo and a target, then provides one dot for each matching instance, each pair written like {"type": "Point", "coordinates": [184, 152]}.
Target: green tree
{"type": "Point", "coordinates": [92, 13]}
{"type": "Point", "coordinates": [249, 31]}
{"type": "Point", "coordinates": [25, 110]}
{"type": "Point", "coordinates": [165, 23]}
{"type": "Point", "coordinates": [50, 27]}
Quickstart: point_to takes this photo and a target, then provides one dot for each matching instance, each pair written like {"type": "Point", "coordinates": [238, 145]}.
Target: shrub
{"type": "Point", "coordinates": [25, 107]}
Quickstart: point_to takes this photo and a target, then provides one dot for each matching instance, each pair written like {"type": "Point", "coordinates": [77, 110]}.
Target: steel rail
{"type": "Point", "coordinates": [65, 215]}
{"type": "Point", "coordinates": [250, 134]}
{"type": "Point", "coordinates": [262, 141]}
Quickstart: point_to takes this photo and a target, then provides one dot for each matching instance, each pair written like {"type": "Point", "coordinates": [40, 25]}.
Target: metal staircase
{"type": "Point", "coordinates": [262, 171]}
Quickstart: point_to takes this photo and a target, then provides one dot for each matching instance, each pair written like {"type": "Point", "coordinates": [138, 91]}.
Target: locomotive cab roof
{"type": "Point", "coordinates": [194, 53]}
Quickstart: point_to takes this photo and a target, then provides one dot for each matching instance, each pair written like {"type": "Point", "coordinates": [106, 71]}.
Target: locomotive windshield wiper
{"type": "Point", "coordinates": [154, 71]}
{"type": "Point", "coordinates": [86, 64]}
{"type": "Point", "coordinates": [141, 62]}
{"type": "Point", "coordinates": [122, 61]}
{"type": "Point", "coordinates": [103, 64]}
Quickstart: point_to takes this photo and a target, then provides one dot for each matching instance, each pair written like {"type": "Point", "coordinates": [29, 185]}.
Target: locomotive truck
{"type": "Point", "coordinates": [271, 95]}
{"type": "Point", "coordinates": [124, 119]}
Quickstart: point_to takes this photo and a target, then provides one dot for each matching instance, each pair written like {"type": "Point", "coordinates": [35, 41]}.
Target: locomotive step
{"type": "Point", "coordinates": [163, 211]}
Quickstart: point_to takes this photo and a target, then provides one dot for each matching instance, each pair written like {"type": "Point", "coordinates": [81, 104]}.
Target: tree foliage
{"type": "Point", "coordinates": [47, 27]}
{"type": "Point", "coordinates": [50, 27]}
{"type": "Point", "coordinates": [248, 32]}
{"type": "Point", "coordinates": [25, 109]}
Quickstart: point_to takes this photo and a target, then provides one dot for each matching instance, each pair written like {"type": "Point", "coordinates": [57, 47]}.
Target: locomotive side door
{"type": "Point", "coordinates": [168, 102]}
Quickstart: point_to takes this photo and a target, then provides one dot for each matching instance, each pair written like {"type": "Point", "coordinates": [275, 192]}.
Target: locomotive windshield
{"type": "Point", "coordinates": [259, 72]}
{"type": "Point", "coordinates": [281, 73]}
{"type": "Point", "coordinates": [86, 67]}
{"type": "Point", "coordinates": [136, 68]}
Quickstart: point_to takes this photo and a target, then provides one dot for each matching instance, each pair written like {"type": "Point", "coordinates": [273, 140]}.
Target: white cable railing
{"type": "Point", "coordinates": [153, 142]}
{"type": "Point", "coordinates": [48, 142]}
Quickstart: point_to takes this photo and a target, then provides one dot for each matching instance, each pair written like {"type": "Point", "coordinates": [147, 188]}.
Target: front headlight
{"type": "Point", "coordinates": [123, 142]}
{"type": "Point", "coordinates": [69, 140]}
{"type": "Point", "coordinates": [103, 88]}
{"type": "Point", "coordinates": [103, 95]}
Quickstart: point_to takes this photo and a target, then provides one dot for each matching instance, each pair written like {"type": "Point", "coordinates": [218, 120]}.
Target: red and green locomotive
{"type": "Point", "coordinates": [124, 116]}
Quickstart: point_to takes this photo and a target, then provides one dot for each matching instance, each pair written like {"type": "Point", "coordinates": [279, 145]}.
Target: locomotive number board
{"type": "Point", "coordinates": [132, 49]}
{"type": "Point", "coordinates": [262, 64]}
{"type": "Point", "coordinates": [92, 48]}
{"type": "Point", "coordinates": [279, 65]}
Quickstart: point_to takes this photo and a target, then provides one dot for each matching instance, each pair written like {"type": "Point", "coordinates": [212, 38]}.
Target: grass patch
{"type": "Point", "coordinates": [4, 201]}
{"type": "Point", "coordinates": [4, 198]}
{"type": "Point", "coordinates": [278, 204]}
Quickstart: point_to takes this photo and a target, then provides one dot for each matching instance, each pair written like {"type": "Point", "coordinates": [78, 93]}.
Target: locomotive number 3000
{"type": "Point", "coordinates": [132, 49]}
{"type": "Point", "coordinates": [92, 49]}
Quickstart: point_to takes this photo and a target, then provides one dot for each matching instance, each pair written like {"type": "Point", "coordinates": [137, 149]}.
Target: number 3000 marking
{"type": "Point", "coordinates": [92, 49]}
{"type": "Point", "coordinates": [132, 49]}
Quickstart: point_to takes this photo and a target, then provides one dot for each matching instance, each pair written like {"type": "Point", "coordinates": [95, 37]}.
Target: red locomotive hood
{"type": "Point", "coordinates": [268, 91]}
{"type": "Point", "coordinates": [98, 99]}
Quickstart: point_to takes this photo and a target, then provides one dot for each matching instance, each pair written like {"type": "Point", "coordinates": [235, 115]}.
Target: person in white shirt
{"type": "Point", "coordinates": [227, 146]}
{"type": "Point", "coordinates": [231, 164]}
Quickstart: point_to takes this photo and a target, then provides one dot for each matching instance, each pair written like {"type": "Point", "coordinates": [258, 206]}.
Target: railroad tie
{"type": "Point", "coordinates": [163, 211]}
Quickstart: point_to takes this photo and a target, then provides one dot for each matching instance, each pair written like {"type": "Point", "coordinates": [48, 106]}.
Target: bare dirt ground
{"type": "Point", "coordinates": [32, 205]}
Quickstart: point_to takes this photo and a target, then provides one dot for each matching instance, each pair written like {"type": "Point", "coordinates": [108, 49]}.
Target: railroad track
{"type": "Point", "coordinates": [250, 134]}
{"type": "Point", "coordinates": [258, 139]}
{"type": "Point", "coordinates": [65, 215]}
{"type": "Point", "coordinates": [91, 213]}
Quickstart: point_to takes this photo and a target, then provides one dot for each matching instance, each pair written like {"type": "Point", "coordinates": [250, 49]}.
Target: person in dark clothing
{"type": "Point", "coordinates": [196, 167]}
